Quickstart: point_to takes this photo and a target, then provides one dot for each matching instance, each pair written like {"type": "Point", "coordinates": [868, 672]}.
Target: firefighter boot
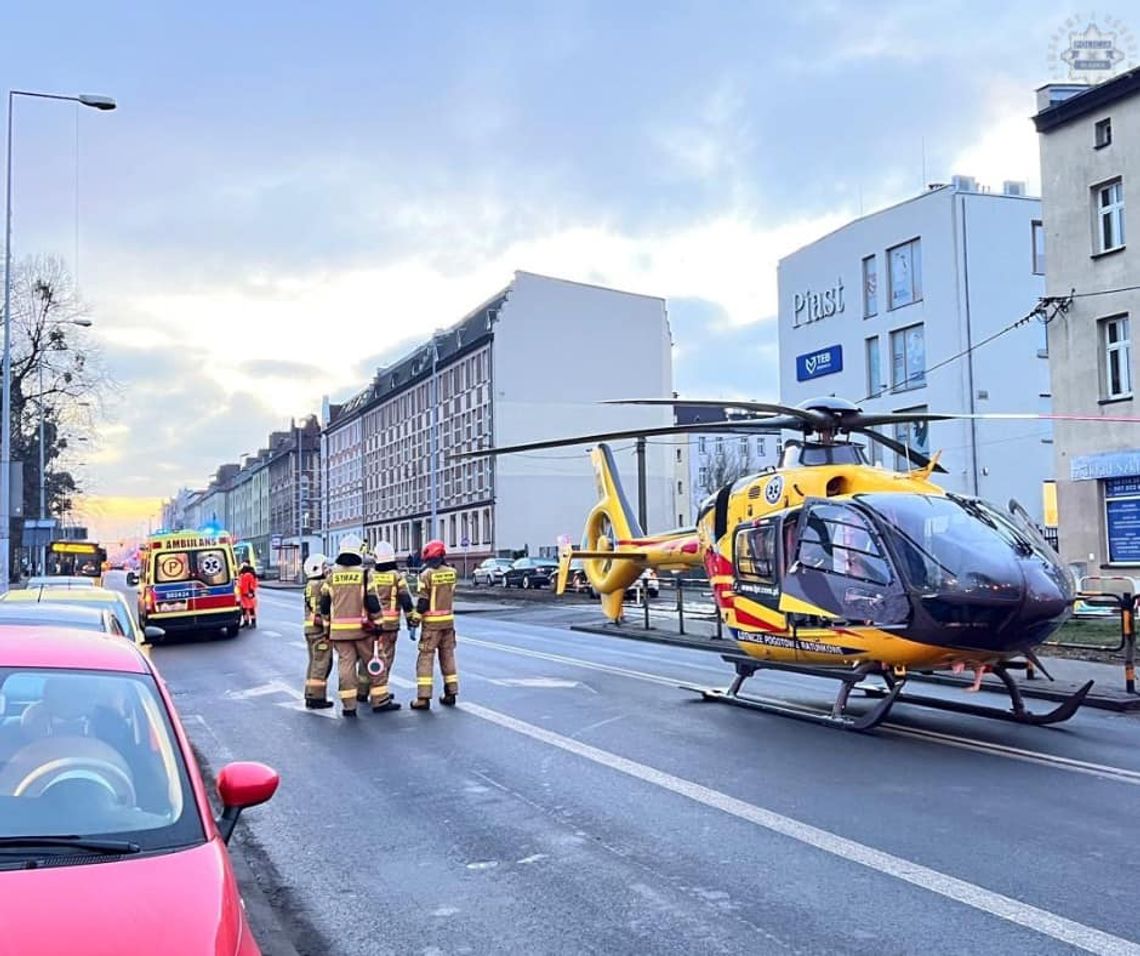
{"type": "Point", "coordinates": [448, 700]}
{"type": "Point", "coordinates": [318, 704]}
{"type": "Point", "coordinates": [387, 705]}
{"type": "Point", "coordinates": [421, 704]}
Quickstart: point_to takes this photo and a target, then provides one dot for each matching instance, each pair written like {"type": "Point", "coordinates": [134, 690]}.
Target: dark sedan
{"type": "Point", "coordinates": [530, 573]}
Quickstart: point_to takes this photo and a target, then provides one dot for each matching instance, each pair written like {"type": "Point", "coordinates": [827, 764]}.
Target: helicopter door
{"type": "Point", "coordinates": [756, 562]}
{"type": "Point", "coordinates": [840, 569]}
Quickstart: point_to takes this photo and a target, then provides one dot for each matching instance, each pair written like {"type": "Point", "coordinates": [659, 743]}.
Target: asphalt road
{"type": "Point", "coordinates": [578, 802]}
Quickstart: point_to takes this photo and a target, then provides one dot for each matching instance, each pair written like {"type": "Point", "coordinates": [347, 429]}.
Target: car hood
{"type": "Point", "coordinates": [175, 903]}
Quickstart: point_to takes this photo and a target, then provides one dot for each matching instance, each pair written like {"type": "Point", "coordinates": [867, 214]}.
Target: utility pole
{"type": "Point", "coordinates": [642, 495]}
{"type": "Point", "coordinates": [298, 521]}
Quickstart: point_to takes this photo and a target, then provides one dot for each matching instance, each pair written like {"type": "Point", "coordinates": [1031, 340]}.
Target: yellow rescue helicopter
{"type": "Point", "coordinates": [831, 567]}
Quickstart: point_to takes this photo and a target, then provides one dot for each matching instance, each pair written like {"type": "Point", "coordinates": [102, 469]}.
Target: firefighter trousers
{"type": "Point", "coordinates": [443, 641]}
{"type": "Point", "coordinates": [366, 688]}
{"type": "Point", "coordinates": [320, 666]}
{"type": "Point", "coordinates": [352, 657]}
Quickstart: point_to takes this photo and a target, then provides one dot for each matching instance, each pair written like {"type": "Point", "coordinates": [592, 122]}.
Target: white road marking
{"type": "Point", "coordinates": [1052, 761]}
{"type": "Point", "coordinates": [533, 858]}
{"type": "Point", "coordinates": [271, 633]}
{"type": "Point", "coordinates": [483, 865]}
{"type": "Point", "coordinates": [533, 682]}
{"type": "Point", "coordinates": [273, 687]}
{"type": "Point", "coordinates": [220, 750]}
{"type": "Point", "coordinates": [1041, 921]}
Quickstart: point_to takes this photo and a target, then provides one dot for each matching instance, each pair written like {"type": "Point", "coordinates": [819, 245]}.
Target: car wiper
{"type": "Point", "coordinates": [68, 842]}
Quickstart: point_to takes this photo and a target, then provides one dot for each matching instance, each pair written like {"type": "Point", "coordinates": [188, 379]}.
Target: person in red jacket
{"type": "Point", "coordinates": [247, 588]}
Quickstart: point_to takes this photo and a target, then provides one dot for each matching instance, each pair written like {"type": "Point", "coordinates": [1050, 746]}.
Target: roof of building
{"type": "Point", "coordinates": [1094, 98]}
{"type": "Point", "coordinates": [415, 365]}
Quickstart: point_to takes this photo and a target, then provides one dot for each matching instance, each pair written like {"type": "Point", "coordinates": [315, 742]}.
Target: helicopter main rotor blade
{"type": "Point", "coordinates": [807, 416]}
{"type": "Point", "coordinates": [871, 419]}
{"type": "Point", "coordinates": [917, 457]}
{"type": "Point", "coordinates": [730, 428]}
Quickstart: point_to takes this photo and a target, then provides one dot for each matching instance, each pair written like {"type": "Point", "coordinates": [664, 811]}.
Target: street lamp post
{"type": "Point", "coordinates": [433, 530]}
{"type": "Point", "coordinates": [83, 324]}
{"type": "Point", "coordinates": [95, 102]}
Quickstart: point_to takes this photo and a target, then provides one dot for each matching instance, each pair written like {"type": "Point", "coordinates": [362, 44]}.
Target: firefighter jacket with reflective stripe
{"type": "Point", "coordinates": [346, 596]}
{"type": "Point", "coordinates": [437, 597]}
{"type": "Point", "coordinates": [393, 592]}
{"type": "Point", "coordinates": [314, 625]}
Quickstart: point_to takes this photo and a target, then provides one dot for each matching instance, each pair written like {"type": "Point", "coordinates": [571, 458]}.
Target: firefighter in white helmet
{"type": "Point", "coordinates": [350, 611]}
{"type": "Point", "coordinates": [392, 589]}
{"type": "Point", "coordinates": [320, 648]}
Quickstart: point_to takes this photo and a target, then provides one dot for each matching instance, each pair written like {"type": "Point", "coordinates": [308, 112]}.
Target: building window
{"type": "Point", "coordinates": [760, 446]}
{"type": "Point", "coordinates": [702, 445]}
{"type": "Point", "coordinates": [1121, 511]}
{"type": "Point", "coordinates": [1038, 235]}
{"type": "Point", "coordinates": [1103, 133]}
{"type": "Point", "coordinates": [678, 454]}
{"type": "Point", "coordinates": [904, 264]}
{"type": "Point", "coordinates": [1110, 216]}
{"type": "Point", "coordinates": [915, 435]}
{"type": "Point", "coordinates": [908, 358]}
{"type": "Point", "coordinates": [703, 477]}
{"type": "Point", "coordinates": [870, 287]}
{"type": "Point", "coordinates": [1116, 347]}
{"type": "Point", "coordinates": [680, 488]}
{"type": "Point", "coordinates": [874, 369]}
{"type": "Point", "coordinates": [487, 538]}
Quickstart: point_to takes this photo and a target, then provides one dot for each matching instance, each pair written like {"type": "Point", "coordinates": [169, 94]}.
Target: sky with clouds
{"type": "Point", "coordinates": [282, 178]}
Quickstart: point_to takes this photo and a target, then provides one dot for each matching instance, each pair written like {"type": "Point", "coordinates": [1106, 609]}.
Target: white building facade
{"type": "Point", "coordinates": [876, 312]}
{"type": "Point", "coordinates": [1090, 173]}
{"type": "Point", "coordinates": [533, 362]}
{"type": "Point", "coordinates": [342, 464]}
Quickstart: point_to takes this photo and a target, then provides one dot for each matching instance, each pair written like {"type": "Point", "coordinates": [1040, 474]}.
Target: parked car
{"type": "Point", "coordinates": [60, 615]}
{"type": "Point", "coordinates": [105, 598]}
{"type": "Point", "coordinates": [60, 581]}
{"type": "Point", "coordinates": [102, 802]}
{"type": "Point", "coordinates": [490, 572]}
{"type": "Point", "coordinates": [530, 573]}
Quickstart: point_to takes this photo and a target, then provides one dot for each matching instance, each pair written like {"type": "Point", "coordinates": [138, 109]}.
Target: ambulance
{"type": "Point", "coordinates": [188, 581]}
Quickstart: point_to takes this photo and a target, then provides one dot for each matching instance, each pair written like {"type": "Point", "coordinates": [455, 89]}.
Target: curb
{"type": "Point", "coordinates": [1120, 702]}
{"type": "Point", "coordinates": [265, 924]}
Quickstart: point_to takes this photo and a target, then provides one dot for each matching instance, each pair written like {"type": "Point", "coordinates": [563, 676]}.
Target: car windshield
{"type": "Point", "coordinates": [90, 754]}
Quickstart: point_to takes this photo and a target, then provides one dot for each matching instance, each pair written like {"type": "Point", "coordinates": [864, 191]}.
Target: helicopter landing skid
{"type": "Point", "coordinates": [1018, 712]}
{"type": "Point", "coordinates": [888, 695]}
{"type": "Point", "coordinates": [746, 667]}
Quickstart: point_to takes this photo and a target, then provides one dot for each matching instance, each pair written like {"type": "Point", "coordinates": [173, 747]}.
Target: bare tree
{"type": "Point", "coordinates": [57, 371]}
{"type": "Point", "coordinates": [731, 460]}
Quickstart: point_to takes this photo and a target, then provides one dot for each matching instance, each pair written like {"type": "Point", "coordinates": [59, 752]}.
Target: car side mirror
{"type": "Point", "coordinates": [132, 579]}
{"type": "Point", "coordinates": [243, 784]}
{"type": "Point", "coordinates": [152, 633]}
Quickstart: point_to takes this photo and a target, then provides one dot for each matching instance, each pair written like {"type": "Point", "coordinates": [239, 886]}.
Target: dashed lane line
{"type": "Point", "coordinates": [934, 881]}
{"type": "Point", "coordinates": [1053, 761]}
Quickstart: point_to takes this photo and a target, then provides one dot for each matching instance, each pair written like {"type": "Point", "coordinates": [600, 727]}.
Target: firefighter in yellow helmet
{"type": "Point", "coordinates": [435, 610]}
{"type": "Point", "coordinates": [350, 610]}
{"type": "Point", "coordinates": [320, 648]}
{"type": "Point", "coordinates": [394, 596]}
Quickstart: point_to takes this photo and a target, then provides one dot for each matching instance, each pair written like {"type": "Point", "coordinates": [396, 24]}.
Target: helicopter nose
{"type": "Point", "coordinates": [1048, 596]}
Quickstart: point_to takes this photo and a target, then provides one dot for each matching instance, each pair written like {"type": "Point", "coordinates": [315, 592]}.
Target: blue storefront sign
{"type": "Point", "coordinates": [1109, 464]}
{"type": "Point", "coordinates": [1123, 520]}
{"type": "Point", "coordinates": [819, 363]}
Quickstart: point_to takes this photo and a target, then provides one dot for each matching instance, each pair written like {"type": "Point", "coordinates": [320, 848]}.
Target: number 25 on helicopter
{"type": "Point", "coordinates": [828, 566]}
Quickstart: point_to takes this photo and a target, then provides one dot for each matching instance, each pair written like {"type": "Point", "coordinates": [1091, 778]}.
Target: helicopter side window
{"type": "Point", "coordinates": [838, 540]}
{"type": "Point", "coordinates": [756, 554]}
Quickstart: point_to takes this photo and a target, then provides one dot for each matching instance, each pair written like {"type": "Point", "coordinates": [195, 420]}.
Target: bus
{"type": "Point", "coordinates": [245, 552]}
{"type": "Point", "coordinates": [76, 558]}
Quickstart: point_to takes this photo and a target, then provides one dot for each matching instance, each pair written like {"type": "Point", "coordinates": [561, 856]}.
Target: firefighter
{"type": "Point", "coordinates": [392, 589]}
{"type": "Point", "coordinates": [436, 593]}
{"type": "Point", "coordinates": [320, 648]}
{"type": "Point", "coordinates": [350, 610]}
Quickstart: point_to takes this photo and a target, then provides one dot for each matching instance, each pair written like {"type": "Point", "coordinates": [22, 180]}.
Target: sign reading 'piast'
{"type": "Point", "coordinates": [809, 306]}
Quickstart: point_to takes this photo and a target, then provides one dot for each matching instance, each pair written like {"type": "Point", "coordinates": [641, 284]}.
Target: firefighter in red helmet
{"type": "Point", "coordinates": [435, 612]}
